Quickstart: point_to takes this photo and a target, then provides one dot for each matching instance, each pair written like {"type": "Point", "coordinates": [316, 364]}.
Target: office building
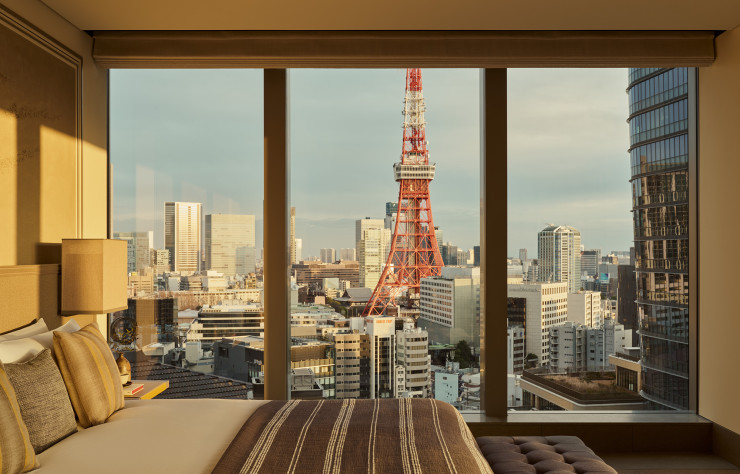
{"type": "Point", "coordinates": [160, 261]}
{"type": "Point", "coordinates": [156, 319]}
{"type": "Point", "coordinates": [515, 345]}
{"type": "Point", "coordinates": [590, 260]}
{"type": "Point", "coordinates": [182, 238]}
{"type": "Point", "coordinates": [352, 362]}
{"type": "Point", "coordinates": [328, 255]}
{"type": "Point", "coordinates": [348, 254]}
{"type": "Point", "coordinates": [381, 332]}
{"type": "Point", "coordinates": [228, 240]}
{"type": "Point", "coordinates": [660, 149]}
{"type": "Point", "coordinates": [584, 308]}
{"type": "Point", "coordinates": [138, 245]}
{"type": "Point", "coordinates": [292, 241]}
{"type": "Point", "coordinates": [546, 306]}
{"type": "Point", "coordinates": [391, 212]}
{"type": "Point", "coordinates": [372, 241]}
{"type": "Point", "coordinates": [559, 255]}
{"type": "Point", "coordinates": [449, 306]}
{"type": "Point", "coordinates": [626, 300]}
{"type": "Point", "coordinates": [230, 320]}
{"type": "Point", "coordinates": [523, 255]}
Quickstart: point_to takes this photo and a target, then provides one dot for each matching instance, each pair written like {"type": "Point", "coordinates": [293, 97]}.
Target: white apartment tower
{"type": "Point", "coordinates": [382, 337]}
{"type": "Point", "coordinates": [372, 243]}
{"type": "Point", "coordinates": [584, 308]}
{"type": "Point", "coordinates": [347, 254]}
{"type": "Point", "coordinates": [547, 306]}
{"type": "Point", "coordinates": [229, 240]}
{"type": "Point", "coordinates": [412, 353]}
{"type": "Point", "coordinates": [182, 235]}
{"type": "Point", "coordinates": [449, 306]}
{"type": "Point", "coordinates": [559, 255]}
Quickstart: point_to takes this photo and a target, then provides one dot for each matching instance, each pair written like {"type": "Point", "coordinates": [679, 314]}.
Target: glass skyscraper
{"type": "Point", "coordinates": [659, 100]}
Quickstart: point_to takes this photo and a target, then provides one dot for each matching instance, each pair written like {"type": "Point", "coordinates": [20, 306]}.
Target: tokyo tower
{"type": "Point", "coordinates": [414, 251]}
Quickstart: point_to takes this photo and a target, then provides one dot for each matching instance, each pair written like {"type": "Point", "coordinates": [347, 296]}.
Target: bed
{"type": "Point", "coordinates": [231, 436]}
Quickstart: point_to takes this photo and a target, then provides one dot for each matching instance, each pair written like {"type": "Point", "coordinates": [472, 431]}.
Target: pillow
{"type": "Point", "coordinates": [35, 328]}
{"type": "Point", "coordinates": [16, 451]}
{"type": "Point", "coordinates": [43, 400]}
{"type": "Point", "coordinates": [90, 374]}
{"type": "Point", "coordinates": [22, 350]}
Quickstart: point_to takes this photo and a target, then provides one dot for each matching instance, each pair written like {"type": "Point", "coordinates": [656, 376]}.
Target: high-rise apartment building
{"type": "Point", "coordinates": [382, 336]}
{"type": "Point", "coordinates": [546, 306]}
{"type": "Point", "coordinates": [449, 306]}
{"type": "Point", "coordinates": [328, 255]}
{"type": "Point", "coordinates": [523, 255]}
{"type": "Point", "coordinates": [352, 361]}
{"type": "Point", "coordinates": [347, 254]}
{"type": "Point", "coordinates": [661, 142]}
{"type": "Point", "coordinates": [372, 243]}
{"type": "Point", "coordinates": [579, 348]}
{"type": "Point", "coordinates": [559, 255]}
{"type": "Point", "coordinates": [138, 245]}
{"type": "Point", "coordinates": [229, 241]}
{"type": "Point", "coordinates": [182, 235]}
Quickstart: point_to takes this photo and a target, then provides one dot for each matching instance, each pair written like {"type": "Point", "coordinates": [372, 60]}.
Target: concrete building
{"type": "Point", "coordinates": [182, 238]}
{"type": "Point", "coordinates": [627, 300]}
{"type": "Point", "coordinates": [227, 321]}
{"type": "Point", "coordinates": [515, 344]}
{"type": "Point", "coordinates": [160, 261]}
{"type": "Point", "coordinates": [391, 211]}
{"type": "Point", "coordinates": [584, 308]}
{"type": "Point", "coordinates": [546, 306]}
{"type": "Point", "coordinates": [229, 241]}
{"type": "Point", "coordinates": [348, 254]}
{"type": "Point", "coordinates": [138, 245]}
{"type": "Point", "coordinates": [155, 319]}
{"type": "Point", "coordinates": [328, 255]}
{"type": "Point", "coordinates": [578, 348]}
{"type": "Point", "coordinates": [372, 241]}
{"type": "Point", "coordinates": [382, 337]}
{"type": "Point", "coordinates": [559, 255]}
{"type": "Point", "coordinates": [449, 306]}
{"type": "Point", "coordinates": [352, 360]}
{"type": "Point", "coordinates": [590, 260]}
{"type": "Point", "coordinates": [412, 353]}
{"type": "Point", "coordinates": [313, 273]}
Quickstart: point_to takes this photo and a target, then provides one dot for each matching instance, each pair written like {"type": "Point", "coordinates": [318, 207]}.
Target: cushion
{"type": "Point", "coordinates": [25, 349]}
{"type": "Point", "coordinates": [16, 450]}
{"type": "Point", "coordinates": [43, 400]}
{"type": "Point", "coordinates": [90, 374]}
{"type": "Point", "coordinates": [35, 328]}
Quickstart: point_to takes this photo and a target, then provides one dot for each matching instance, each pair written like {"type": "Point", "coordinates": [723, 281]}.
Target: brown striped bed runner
{"type": "Point", "coordinates": [346, 436]}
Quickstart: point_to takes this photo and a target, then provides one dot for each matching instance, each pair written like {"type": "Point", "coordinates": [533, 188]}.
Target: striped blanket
{"type": "Point", "coordinates": [348, 436]}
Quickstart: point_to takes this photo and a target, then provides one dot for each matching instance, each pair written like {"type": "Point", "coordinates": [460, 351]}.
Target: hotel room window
{"type": "Point", "coordinates": [186, 156]}
{"type": "Point", "coordinates": [598, 244]}
{"type": "Point", "coordinates": [385, 290]}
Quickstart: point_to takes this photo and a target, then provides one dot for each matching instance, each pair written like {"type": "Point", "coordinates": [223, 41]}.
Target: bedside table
{"type": "Point", "coordinates": [151, 389]}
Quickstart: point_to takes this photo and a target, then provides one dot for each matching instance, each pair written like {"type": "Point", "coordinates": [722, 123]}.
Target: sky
{"type": "Point", "coordinates": [196, 135]}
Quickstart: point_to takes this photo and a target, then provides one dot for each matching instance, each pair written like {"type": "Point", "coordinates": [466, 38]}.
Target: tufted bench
{"type": "Point", "coordinates": [541, 454]}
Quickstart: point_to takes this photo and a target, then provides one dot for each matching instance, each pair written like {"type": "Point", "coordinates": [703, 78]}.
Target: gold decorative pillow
{"type": "Point", "coordinates": [90, 374]}
{"type": "Point", "coordinates": [16, 451]}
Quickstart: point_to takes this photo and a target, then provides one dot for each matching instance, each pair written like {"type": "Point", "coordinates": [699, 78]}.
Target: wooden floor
{"type": "Point", "coordinates": [668, 463]}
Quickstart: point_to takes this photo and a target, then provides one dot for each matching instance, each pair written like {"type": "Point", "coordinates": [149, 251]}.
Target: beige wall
{"type": "Point", "coordinates": [719, 228]}
{"type": "Point", "coordinates": [53, 131]}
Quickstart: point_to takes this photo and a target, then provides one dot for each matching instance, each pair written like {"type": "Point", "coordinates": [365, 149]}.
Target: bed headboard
{"type": "Point", "coordinates": [29, 292]}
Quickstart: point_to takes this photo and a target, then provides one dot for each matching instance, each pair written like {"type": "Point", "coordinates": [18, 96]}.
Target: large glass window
{"type": "Point", "coordinates": [186, 159]}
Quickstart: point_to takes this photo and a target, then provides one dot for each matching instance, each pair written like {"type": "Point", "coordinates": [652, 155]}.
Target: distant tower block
{"type": "Point", "coordinates": [414, 251]}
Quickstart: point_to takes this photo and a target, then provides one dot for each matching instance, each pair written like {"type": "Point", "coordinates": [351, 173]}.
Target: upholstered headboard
{"type": "Point", "coordinates": [29, 292]}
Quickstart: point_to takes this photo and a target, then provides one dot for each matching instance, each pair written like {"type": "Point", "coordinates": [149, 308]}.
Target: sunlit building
{"type": "Point", "coordinates": [182, 235]}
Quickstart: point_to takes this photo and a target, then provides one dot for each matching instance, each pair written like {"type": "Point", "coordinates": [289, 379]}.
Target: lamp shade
{"type": "Point", "coordinates": [94, 276]}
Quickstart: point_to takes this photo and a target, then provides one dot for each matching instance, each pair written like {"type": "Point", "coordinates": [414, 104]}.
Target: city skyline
{"type": "Point", "coordinates": [582, 183]}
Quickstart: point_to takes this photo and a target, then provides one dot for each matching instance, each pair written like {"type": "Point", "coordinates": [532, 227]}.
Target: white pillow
{"type": "Point", "coordinates": [23, 350]}
{"type": "Point", "coordinates": [36, 328]}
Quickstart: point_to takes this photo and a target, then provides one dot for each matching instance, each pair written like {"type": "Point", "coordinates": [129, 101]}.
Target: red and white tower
{"type": "Point", "coordinates": [414, 251]}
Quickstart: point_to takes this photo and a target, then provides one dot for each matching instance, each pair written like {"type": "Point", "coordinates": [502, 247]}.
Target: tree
{"type": "Point", "coordinates": [463, 354]}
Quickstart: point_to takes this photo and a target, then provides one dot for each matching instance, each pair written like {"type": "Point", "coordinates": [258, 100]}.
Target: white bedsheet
{"type": "Point", "coordinates": [162, 436]}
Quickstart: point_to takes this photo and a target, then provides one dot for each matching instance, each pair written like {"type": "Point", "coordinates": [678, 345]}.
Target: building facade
{"type": "Point", "coordinates": [449, 306]}
{"type": "Point", "coordinates": [182, 222]}
{"type": "Point", "coordinates": [138, 246]}
{"type": "Point", "coordinates": [660, 146]}
{"type": "Point", "coordinates": [559, 255]}
{"type": "Point", "coordinates": [546, 306]}
{"type": "Point", "coordinates": [584, 308]}
{"type": "Point", "coordinates": [412, 353]}
{"type": "Point", "coordinates": [328, 255]}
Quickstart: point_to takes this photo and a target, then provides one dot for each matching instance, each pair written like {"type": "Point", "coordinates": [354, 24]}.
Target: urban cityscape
{"type": "Point", "coordinates": [396, 312]}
